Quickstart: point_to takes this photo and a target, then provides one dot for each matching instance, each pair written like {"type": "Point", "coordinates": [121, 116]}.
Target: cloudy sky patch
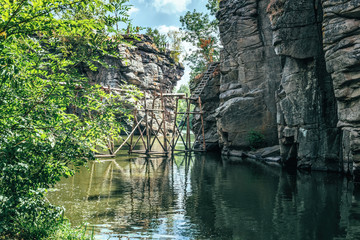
{"type": "Point", "coordinates": [164, 15]}
{"type": "Point", "coordinates": [171, 6]}
{"type": "Point", "coordinates": [164, 29]}
{"type": "Point", "coordinates": [133, 10]}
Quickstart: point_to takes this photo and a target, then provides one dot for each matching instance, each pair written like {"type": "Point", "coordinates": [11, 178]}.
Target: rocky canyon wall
{"type": "Point", "coordinates": [145, 66]}
{"type": "Point", "coordinates": [142, 64]}
{"type": "Point", "coordinates": [290, 71]}
{"type": "Point", "coordinates": [341, 41]}
{"type": "Point", "coordinates": [250, 73]}
{"type": "Point", "coordinates": [306, 103]}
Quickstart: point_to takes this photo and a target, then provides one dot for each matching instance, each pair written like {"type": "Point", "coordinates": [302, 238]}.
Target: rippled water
{"type": "Point", "coordinates": [206, 197]}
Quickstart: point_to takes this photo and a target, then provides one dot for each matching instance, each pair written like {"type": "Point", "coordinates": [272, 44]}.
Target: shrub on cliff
{"type": "Point", "coordinates": [255, 139]}
{"type": "Point", "coordinates": [159, 39]}
{"type": "Point", "coordinates": [170, 41]}
{"type": "Point", "coordinates": [201, 29]}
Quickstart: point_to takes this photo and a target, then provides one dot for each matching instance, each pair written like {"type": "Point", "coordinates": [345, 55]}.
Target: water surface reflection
{"type": "Point", "coordinates": [206, 197]}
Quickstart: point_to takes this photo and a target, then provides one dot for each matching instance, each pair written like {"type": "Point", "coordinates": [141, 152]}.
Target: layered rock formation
{"type": "Point", "coordinates": [341, 31]}
{"type": "Point", "coordinates": [142, 65]}
{"type": "Point", "coordinates": [250, 73]}
{"type": "Point", "coordinates": [146, 67]}
{"type": "Point", "coordinates": [305, 100]}
{"type": "Point", "coordinates": [290, 70]}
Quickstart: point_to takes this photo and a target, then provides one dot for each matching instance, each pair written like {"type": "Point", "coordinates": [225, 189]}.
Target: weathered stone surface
{"type": "Point", "coordinates": [249, 74]}
{"type": "Point", "coordinates": [306, 104]}
{"type": "Point", "coordinates": [144, 66]}
{"type": "Point", "coordinates": [210, 102]}
{"type": "Point", "coordinates": [273, 151]}
{"type": "Point", "coordinates": [315, 78]}
{"type": "Point", "coordinates": [341, 30]}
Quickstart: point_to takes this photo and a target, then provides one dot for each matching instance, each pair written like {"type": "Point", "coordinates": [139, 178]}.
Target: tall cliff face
{"type": "Point", "coordinates": [306, 103]}
{"type": "Point", "coordinates": [250, 73]}
{"type": "Point", "coordinates": [341, 31]}
{"type": "Point", "coordinates": [298, 60]}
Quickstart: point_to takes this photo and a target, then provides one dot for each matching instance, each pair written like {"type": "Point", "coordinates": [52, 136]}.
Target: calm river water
{"type": "Point", "coordinates": [207, 197]}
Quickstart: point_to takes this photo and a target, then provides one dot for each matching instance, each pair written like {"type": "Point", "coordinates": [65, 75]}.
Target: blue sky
{"type": "Point", "coordinates": [154, 13]}
{"type": "Point", "coordinates": [164, 15]}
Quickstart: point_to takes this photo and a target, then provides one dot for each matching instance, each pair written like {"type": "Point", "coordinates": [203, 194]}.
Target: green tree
{"type": "Point", "coordinates": [182, 106]}
{"type": "Point", "coordinates": [51, 116]}
{"type": "Point", "coordinates": [201, 29]}
{"type": "Point", "coordinates": [159, 39]}
{"type": "Point", "coordinates": [175, 39]}
{"type": "Point", "coordinates": [184, 88]}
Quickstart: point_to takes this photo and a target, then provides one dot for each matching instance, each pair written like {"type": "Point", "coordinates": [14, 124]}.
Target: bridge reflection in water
{"type": "Point", "coordinates": [207, 197]}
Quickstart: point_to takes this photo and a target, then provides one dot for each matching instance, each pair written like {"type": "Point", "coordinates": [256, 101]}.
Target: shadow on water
{"type": "Point", "coordinates": [251, 201]}
{"type": "Point", "coordinates": [207, 197]}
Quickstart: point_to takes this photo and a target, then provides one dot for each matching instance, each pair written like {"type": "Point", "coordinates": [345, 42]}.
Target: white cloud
{"type": "Point", "coordinates": [171, 6]}
{"type": "Point", "coordinates": [133, 10]}
{"type": "Point", "coordinates": [163, 29]}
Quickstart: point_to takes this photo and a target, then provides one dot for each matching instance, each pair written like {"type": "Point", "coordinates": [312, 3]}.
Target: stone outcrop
{"type": "Point", "coordinates": [341, 31]}
{"type": "Point", "coordinates": [306, 103]}
{"type": "Point", "coordinates": [146, 67]}
{"type": "Point", "coordinates": [142, 65]}
{"type": "Point", "coordinates": [290, 71]}
{"type": "Point", "coordinates": [250, 73]}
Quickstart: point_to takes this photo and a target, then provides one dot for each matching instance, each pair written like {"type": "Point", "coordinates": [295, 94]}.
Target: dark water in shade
{"type": "Point", "coordinates": [206, 197]}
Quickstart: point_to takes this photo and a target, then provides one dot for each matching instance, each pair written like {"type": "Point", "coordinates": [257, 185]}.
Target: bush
{"type": "Point", "coordinates": [255, 139]}
{"type": "Point", "coordinates": [65, 231]}
{"type": "Point", "coordinates": [51, 117]}
{"type": "Point", "coordinates": [29, 217]}
{"type": "Point", "coordinates": [33, 217]}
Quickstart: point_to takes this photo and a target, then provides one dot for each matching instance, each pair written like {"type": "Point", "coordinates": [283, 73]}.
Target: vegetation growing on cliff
{"type": "Point", "coordinates": [51, 118]}
{"type": "Point", "coordinates": [172, 41]}
{"type": "Point", "coordinates": [255, 139]}
{"type": "Point", "coordinates": [158, 38]}
{"type": "Point", "coordinates": [201, 29]}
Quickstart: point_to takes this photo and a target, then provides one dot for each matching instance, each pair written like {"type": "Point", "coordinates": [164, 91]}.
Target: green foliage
{"type": "Point", "coordinates": [51, 118]}
{"type": "Point", "coordinates": [65, 231]}
{"type": "Point", "coordinates": [175, 38]}
{"type": "Point", "coordinates": [255, 139]}
{"type": "Point", "coordinates": [33, 216]}
{"type": "Point", "coordinates": [184, 88]}
{"type": "Point", "coordinates": [159, 39]}
{"type": "Point", "coordinates": [172, 41]}
{"type": "Point", "coordinates": [213, 6]}
{"type": "Point", "coordinates": [201, 29]}
{"type": "Point", "coordinates": [182, 106]}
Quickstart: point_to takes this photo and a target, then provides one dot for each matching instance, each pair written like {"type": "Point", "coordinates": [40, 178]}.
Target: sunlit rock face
{"type": "Point", "coordinates": [145, 66]}
{"type": "Point", "coordinates": [290, 70]}
{"type": "Point", "coordinates": [341, 41]}
{"type": "Point", "coordinates": [142, 65]}
{"type": "Point", "coordinates": [250, 73]}
{"type": "Point", "coordinates": [306, 103]}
